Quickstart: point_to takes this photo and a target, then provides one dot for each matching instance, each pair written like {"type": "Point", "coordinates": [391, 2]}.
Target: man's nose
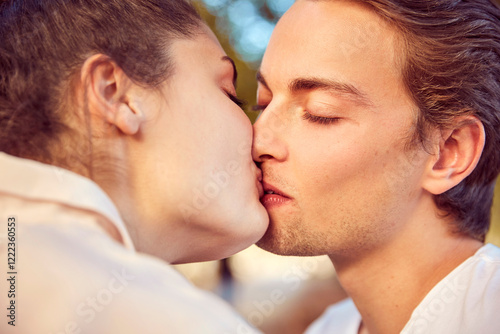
{"type": "Point", "coordinates": [269, 141]}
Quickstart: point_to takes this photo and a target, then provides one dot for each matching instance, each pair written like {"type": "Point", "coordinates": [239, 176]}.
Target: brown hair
{"type": "Point", "coordinates": [43, 43]}
{"type": "Point", "coordinates": [451, 69]}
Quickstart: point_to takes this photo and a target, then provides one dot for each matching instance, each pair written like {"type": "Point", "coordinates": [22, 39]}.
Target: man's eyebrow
{"type": "Point", "coordinates": [323, 84]}
{"type": "Point", "coordinates": [235, 72]}
{"type": "Point", "coordinates": [302, 84]}
{"type": "Point", "coordinates": [261, 80]}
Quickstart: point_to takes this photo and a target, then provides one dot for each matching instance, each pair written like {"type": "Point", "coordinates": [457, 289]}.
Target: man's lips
{"type": "Point", "coordinates": [273, 197]}
{"type": "Point", "coordinates": [269, 189]}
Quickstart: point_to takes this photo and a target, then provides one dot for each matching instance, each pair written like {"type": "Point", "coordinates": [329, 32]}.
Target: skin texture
{"type": "Point", "coordinates": [353, 188]}
{"type": "Point", "coordinates": [321, 165]}
{"type": "Point", "coordinates": [187, 186]}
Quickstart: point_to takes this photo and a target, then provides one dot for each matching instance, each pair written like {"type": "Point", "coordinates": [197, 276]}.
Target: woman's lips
{"type": "Point", "coordinates": [260, 189]}
{"type": "Point", "coordinates": [258, 182]}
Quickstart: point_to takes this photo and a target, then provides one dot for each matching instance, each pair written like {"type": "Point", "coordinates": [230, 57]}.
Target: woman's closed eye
{"type": "Point", "coordinates": [239, 102]}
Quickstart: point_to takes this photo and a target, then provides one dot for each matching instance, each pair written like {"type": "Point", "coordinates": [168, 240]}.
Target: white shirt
{"type": "Point", "coordinates": [467, 301]}
{"type": "Point", "coordinates": [76, 270]}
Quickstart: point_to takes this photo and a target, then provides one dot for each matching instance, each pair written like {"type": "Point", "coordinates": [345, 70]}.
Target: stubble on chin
{"type": "Point", "coordinates": [290, 239]}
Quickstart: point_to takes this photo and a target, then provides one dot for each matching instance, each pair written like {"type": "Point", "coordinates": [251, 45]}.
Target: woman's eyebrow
{"type": "Point", "coordinates": [235, 72]}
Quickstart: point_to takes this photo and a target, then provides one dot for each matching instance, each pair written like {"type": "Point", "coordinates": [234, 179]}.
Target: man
{"type": "Point", "coordinates": [378, 141]}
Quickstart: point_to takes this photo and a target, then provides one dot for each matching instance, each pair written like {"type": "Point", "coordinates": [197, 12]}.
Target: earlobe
{"type": "Point", "coordinates": [457, 155]}
{"type": "Point", "coordinates": [127, 119]}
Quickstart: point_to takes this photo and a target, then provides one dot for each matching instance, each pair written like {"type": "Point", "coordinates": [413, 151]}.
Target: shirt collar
{"type": "Point", "coordinates": [33, 180]}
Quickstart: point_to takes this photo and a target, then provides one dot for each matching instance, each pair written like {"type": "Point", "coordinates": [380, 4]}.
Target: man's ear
{"type": "Point", "coordinates": [458, 153]}
{"type": "Point", "coordinates": [110, 94]}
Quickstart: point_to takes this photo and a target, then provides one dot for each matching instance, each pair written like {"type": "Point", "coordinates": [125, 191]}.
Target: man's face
{"type": "Point", "coordinates": [332, 136]}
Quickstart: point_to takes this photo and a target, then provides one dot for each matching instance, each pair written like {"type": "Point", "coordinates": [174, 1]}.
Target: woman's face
{"type": "Point", "coordinates": [195, 183]}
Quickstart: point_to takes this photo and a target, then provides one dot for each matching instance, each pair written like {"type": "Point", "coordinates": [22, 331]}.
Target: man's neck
{"type": "Point", "coordinates": [388, 282]}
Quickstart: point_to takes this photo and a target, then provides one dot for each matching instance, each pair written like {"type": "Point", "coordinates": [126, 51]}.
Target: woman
{"type": "Point", "coordinates": [122, 137]}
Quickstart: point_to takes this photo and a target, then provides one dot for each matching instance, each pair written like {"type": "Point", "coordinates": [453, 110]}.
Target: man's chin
{"type": "Point", "coordinates": [286, 244]}
{"type": "Point", "coordinates": [269, 246]}
{"type": "Point", "coordinates": [273, 243]}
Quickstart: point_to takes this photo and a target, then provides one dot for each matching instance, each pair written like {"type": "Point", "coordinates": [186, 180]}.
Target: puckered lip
{"type": "Point", "coordinates": [258, 182]}
{"type": "Point", "coordinates": [269, 187]}
{"type": "Point", "coordinates": [260, 189]}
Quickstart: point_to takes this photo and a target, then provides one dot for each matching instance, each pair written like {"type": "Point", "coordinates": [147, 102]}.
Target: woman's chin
{"type": "Point", "coordinates": [248, 234]}
{"type": "Point", "coordinates": [228, 242]}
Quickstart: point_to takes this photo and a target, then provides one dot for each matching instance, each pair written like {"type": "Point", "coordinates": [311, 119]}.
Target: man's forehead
{"type": "Point", "coordinates": [312, 40]}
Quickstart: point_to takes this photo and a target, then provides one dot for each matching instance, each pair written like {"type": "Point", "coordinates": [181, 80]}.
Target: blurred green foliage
{"type": "Point", "coordinates": [494, 235]}
{"type": "Point", "coordinates": [247, 83]}
{"type": "Point", "coordinates": [247, 88]}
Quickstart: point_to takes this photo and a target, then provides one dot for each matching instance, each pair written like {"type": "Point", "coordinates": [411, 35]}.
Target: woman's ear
{"type": "Point", "coordinates": [457, 155]}
{"type": "Point", "coordinates": [110, 92]}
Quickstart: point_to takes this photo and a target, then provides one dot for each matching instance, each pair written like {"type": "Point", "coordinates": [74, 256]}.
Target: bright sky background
{"type": "Point", "coordinates": [248, 28]}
